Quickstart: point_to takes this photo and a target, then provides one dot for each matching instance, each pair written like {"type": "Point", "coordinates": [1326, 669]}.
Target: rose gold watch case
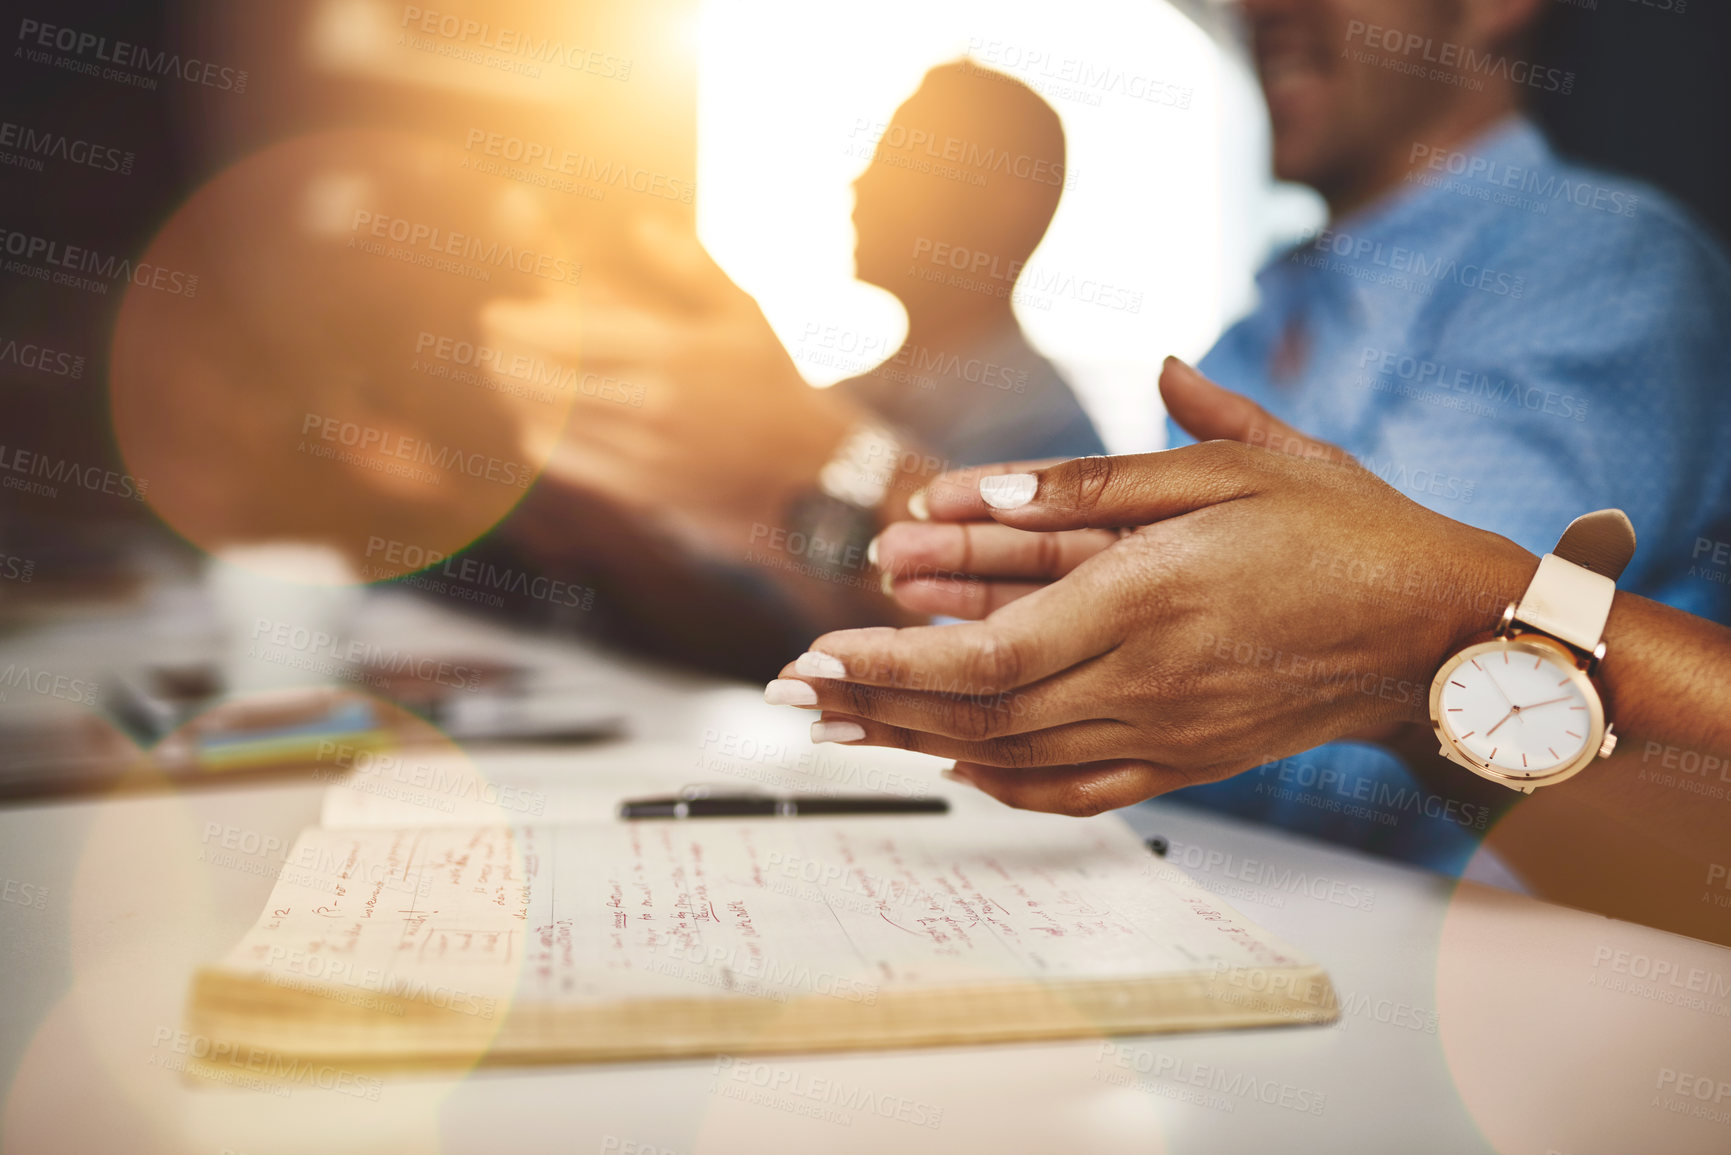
{"type": "Point", "coordinates": [1533, 645]}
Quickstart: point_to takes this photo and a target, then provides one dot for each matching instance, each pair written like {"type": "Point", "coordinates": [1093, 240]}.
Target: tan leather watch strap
{"type": "Point", "coordinates": [1570, 597]}
{"type": "Point", "coordinates": [1602, 542]}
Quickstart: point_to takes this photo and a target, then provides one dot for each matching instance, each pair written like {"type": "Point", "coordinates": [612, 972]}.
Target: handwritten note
{"type": "Point", "coordinates": [780, 910]}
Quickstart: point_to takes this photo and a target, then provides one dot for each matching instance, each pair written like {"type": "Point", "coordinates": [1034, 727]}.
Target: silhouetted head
{"type": "Point", "coordinates": [973, 162]}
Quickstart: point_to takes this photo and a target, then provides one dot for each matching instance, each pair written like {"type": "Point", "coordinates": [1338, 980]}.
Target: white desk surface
{"type": "Point", "coordinates": [1475, 1020]}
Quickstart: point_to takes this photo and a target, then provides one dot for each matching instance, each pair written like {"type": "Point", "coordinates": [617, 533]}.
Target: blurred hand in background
{"type": "Point", "coordinates": [689, 411]}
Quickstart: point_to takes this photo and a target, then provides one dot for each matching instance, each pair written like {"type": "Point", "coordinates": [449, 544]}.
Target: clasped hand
{"type": "Point", "coordinates": [1153, 621]}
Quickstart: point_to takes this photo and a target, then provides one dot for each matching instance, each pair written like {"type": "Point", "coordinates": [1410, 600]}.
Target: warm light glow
{"type": "Point", "coordinates": [1157, 206]}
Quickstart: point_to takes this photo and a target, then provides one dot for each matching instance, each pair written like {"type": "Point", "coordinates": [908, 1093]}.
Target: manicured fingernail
{"type": "Point", "coordinates": [917, 508]}
{"type": "Point", "coordinates": [887, 583]}
{"type": "Point", "coordinates": [837, 731]}
{"type": "Point", "coordinates": [815, 665]}
{"type": "Point", "coordinates": [955, 775]}
{"type": "Point", "coordinates": [1008, 490]}
{"type": "Point", "coordinates": [872, 552]}
{"type": "Point", "coordinates": [789, 692]}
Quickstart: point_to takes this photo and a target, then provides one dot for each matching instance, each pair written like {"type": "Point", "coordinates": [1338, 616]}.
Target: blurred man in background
{"type": "Point", "coordinates": [729, 516]}
{"type": "Point", "coordinates": [1508, 337]}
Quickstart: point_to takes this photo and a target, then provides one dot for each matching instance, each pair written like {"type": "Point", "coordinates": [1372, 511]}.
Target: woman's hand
{"type": "Point", "coordinates": [958, 562]}
{"type": "Point", "coordinates": [1277, 596]}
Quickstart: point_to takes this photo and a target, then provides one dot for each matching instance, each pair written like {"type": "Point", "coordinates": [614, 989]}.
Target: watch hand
{"type": "Point", "coordinates": [1514, 712]}
{"type": "Point", "coordinates": [1516, 709]}
{"type": "Point", "coordinates": [1548, 702]}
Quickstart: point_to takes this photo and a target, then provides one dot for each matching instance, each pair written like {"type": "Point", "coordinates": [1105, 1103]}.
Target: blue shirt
{"type": "Point", "coordinates": [1512, 340]}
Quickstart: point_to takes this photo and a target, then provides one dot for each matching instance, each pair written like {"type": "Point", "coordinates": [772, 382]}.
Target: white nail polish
{"type": "Point", "coordinates": [917, 507]}
{"type": "Point", "coordinates": [789, 692]}
{"type": "Point", "coordinates": [1008, 490]}
{"type": "Point", "coordinates": [837, 731]}
{"type": "Point", "coordinates": [815, 665]}
{"type": "Point", "coordinates": [872, 552]}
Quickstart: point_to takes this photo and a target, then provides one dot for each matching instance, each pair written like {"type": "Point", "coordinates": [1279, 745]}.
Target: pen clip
{"type": "Point", "coordinates": [698, 791]}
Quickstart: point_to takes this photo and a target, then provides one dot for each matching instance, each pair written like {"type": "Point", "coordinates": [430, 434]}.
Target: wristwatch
{"type": "Point", "coordinates": [1521, 706]}
{"type": "Point", "coordinates": [831, 525]}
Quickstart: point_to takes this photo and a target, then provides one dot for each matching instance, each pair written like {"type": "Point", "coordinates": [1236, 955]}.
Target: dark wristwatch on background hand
{"type": "Point", "coordinates": [831, 525]}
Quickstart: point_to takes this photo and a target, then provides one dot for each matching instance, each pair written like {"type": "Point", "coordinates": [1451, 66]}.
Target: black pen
{"type": "Point", "coordinates": [774, 806]}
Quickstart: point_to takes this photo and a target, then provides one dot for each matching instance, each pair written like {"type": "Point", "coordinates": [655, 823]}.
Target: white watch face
{"type": "Point", "coordinates": [1519, 706]}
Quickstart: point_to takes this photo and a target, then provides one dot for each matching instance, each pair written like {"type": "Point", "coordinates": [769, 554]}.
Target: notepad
{"type": "Point", "coordinates": [610, 941]}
